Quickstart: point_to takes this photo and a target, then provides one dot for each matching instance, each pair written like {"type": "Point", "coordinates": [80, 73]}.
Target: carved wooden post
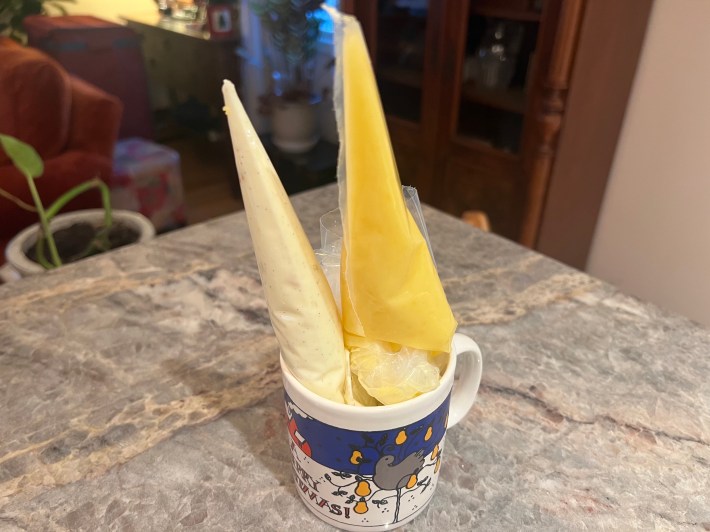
{"type": "Point", "coordinates": [549, 119]}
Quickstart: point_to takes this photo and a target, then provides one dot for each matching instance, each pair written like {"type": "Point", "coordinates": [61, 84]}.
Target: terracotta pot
{"type": "Point", "coordinates": [294, 126]}
{"type": "Point", "coordinates": [15, 252]}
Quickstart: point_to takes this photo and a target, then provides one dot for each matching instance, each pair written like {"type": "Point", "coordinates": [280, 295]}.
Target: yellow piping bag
{"type": "Point", "coordinates": [301, 305]}
{"type": "Point", "coordinates": [395, 315]}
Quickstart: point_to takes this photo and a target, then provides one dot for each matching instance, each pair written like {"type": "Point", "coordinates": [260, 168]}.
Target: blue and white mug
{"type": "Point", "coordinates": [375, 468]}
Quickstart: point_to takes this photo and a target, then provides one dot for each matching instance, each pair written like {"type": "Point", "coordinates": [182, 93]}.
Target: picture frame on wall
{"type": "Point", "coordinates": [220, 21]}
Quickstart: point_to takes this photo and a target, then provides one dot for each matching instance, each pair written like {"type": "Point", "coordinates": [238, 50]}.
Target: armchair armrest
{"type": "Point", "coordinates": [95, 119]}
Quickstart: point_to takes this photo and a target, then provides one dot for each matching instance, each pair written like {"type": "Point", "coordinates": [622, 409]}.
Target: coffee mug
{"type": "Point", "coordinates": [376, 468]}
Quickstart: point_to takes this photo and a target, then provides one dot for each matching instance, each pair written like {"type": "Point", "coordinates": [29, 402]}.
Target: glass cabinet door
{"type": "Point", "coordinates": [399, 56]}
{"type": "Point", "coordinates": [496, 73]}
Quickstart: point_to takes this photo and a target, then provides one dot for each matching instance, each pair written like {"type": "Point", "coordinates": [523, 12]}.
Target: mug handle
{"type": "Point", "coordinates": [470, 364]}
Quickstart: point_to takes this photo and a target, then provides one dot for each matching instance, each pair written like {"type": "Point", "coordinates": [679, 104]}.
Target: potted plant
{"type": "Point", "coordinates": [292, 31]}
{"type": "Point", "coordinates": [59, 239]}
{"type": "Point", "coordinates": [13, 13]}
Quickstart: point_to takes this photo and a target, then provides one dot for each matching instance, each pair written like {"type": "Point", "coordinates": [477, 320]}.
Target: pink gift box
{"type": "Point", "coordinates": [147, 179]}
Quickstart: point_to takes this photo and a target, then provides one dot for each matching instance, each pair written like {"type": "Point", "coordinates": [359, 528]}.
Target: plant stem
{"type": "Point", "coordinates": [44, 223]}
{"type": "Point", "coordinates": [17, 201]}
{"type": "Point", "coordinates": [39, 250]}
{"type": "Point", "coordinates": [65, 198]}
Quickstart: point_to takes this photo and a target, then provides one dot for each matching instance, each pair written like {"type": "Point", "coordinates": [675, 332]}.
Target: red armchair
{"type": "Point", "coordinates": [71, 124]}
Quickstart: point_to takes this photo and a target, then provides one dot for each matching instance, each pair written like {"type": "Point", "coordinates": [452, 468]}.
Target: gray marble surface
{"type": "Point", "coordinates": [140, 391]}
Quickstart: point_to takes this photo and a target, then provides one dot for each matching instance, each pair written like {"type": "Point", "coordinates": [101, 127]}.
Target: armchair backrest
{"type": "Point", "coordinates": [35, 99]}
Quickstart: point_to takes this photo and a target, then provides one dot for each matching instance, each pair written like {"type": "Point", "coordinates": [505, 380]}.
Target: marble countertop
{"type": "Point", "coordinates": [140, 390]}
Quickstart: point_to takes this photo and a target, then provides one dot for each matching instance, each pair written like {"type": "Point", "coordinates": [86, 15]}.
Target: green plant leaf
{"type": "Point", "coordinates": [23, 156]}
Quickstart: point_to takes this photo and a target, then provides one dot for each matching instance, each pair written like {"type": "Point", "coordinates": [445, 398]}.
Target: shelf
{"type": "Point", "coordinates": [512, 100]}
{"type": "Point", "coordinates": [410, 126]}
{"type": "Point", "coordinates": [506, 13]}
{"type": "Point", "coordinates": [469, 143]}
{"type": "Point", "coordinates": [403, 76]}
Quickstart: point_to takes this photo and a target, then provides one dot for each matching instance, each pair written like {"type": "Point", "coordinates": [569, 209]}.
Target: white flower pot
{"type": "Point", "coordinates": [16, 250]}
{"type": "Point", "coordinates": [294, 126]}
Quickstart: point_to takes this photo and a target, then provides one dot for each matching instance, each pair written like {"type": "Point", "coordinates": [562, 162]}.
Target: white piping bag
{"type": "Point", "coordinates": [301, 305]}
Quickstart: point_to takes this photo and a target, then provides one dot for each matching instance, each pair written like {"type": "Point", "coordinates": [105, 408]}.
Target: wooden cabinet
{"type": "Point", "coordinates": [474, 92]}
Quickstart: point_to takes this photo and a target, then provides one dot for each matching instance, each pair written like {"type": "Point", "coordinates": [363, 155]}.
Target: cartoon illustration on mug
{"type": "Point", "coordinates": [366, 477]}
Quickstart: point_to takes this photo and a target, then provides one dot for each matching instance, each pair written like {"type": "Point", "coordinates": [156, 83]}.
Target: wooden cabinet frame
{"type": "Point", "coordinates": [453, 172]}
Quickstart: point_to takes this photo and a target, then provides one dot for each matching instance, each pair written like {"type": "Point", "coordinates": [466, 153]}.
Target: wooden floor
{"type": "Point", "coordinates": [209, 177]}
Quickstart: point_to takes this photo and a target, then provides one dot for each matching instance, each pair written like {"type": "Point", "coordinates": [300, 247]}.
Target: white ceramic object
{"type": "Point", "coordinates": [375, 468]}
{"type": "Point", "coordinates": [294, 126]}
{"type": "Point", "coordinates": [15, 252]}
